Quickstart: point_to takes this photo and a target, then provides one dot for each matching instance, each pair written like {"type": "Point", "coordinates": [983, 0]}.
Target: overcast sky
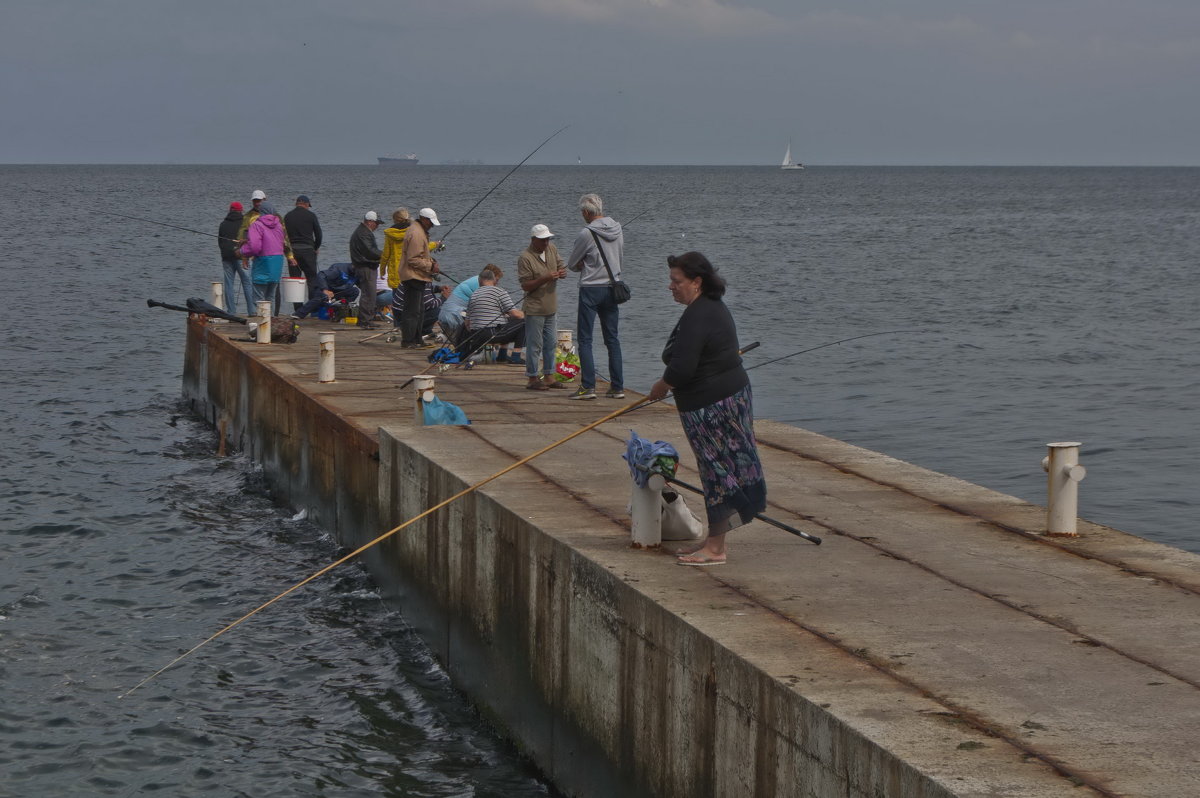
{"type": "Point", "coordinates": [639, 81]}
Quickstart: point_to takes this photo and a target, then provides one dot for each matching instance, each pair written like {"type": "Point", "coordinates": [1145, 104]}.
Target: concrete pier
{"type": "Point", "coordinates": [937, 644]}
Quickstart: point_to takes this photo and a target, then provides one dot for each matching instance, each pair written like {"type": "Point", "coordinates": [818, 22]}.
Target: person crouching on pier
{"type": "Point", "coordinates": [265, 244]}
{"type": "Point", "coordinates": [712, 394]}
{"type": "Point", "coordinates": [338, 283]}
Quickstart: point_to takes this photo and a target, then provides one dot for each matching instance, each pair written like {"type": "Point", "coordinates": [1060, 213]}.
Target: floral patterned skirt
{"type": "Point", "coordinates": [722, 438]}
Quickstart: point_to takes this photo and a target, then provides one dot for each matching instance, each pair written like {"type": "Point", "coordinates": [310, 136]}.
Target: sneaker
{"type": "Point", "coordinates": [583, 393]}
{"type": "Point", "coordinates": [516, 360]}
{"type": "Point", "coordinates": [615, 393]}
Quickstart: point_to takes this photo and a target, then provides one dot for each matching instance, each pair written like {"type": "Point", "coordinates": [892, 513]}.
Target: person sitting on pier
{"type": "Point", "coordinates": [454, 309]}
{"type": "Point", "coordinates": [335, 284]}
{"type": "Point", "coordinates": [493, 318]}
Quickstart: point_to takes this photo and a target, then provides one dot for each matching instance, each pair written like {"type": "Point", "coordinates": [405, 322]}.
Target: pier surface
{"type": "Point", "coordinates": [936, 644]}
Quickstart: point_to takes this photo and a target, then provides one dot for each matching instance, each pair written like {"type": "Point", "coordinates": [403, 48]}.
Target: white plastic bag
{"type": "Point", "coordinates": [678, 521]}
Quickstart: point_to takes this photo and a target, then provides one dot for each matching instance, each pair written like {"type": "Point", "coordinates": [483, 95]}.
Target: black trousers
{"type": "Point", "coordinates": [365, 277]}
{"type": "Point", "coordinates": [512, 332]}
{"type": "Point", "coordinates": [413, 320]}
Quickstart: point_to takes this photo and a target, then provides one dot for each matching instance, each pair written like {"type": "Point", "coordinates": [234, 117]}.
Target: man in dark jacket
{"type": "Point", "coordinates": [231, 260]}
{"type": "Point", "coordinates": [330, 285]}
{"type": "Point", "coordinates": [304, 233]}
{"type": "Point", "coordinates": [364, 255]}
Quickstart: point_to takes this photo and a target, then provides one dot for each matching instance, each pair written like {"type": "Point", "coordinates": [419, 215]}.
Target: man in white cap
{"type": "Point", "coordinates": [364, 257]}
{"type": "Point", "coordinates": [539, 268]}
{"type": "Point", "coordinates": [417, 268]}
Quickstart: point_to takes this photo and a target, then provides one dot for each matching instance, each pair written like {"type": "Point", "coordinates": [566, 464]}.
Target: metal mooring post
{"type": "Point", "coordinates": [646, 510]}
{"type": "Point", "coordinates": [218, 295]}
{"type": "Point", "coordinates": [325, 358]}
{"type": "Point", "coordinates": [1064, 473]}
{"type": "Point", "coordinates": [264, 321]}
{"type": "Point", "coordinates": [423, 383]}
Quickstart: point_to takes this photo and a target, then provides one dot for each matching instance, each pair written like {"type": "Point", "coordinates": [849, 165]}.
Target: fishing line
{"type": "Point", "coordinates": [802, 351]}
{"type": "Point", "coordinates": [832, 343]}
{"type": "Point", "coordinates": [493, 188]}
{"type": "Point", "coordinates": [164, 224]}
{"type": "Point", "coordinates": [382, 538]}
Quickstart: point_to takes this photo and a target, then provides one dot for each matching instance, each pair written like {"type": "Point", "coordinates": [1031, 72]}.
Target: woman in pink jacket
{"type": "Point", "coordinates": [264, 243]}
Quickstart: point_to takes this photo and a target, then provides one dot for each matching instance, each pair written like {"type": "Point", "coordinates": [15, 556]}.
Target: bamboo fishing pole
{"type": "Point", "coordinates": [382, 538]}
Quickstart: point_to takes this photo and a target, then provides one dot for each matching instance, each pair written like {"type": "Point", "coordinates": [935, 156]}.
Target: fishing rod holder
{"type": "Point", "coordinates": [423, 384]}
{"type": "Point", "coordinates": [325, 357]}
{"type": "Point", "coordinates": [1064, 473]}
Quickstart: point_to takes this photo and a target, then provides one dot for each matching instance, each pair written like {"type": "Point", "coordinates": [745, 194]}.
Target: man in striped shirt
{"type": "Point", "coordinates": [493, 318]}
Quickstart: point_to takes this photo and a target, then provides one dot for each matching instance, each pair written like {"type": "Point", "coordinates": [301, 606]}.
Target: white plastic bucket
{"type": "Point", "coordinates": [293, 289]}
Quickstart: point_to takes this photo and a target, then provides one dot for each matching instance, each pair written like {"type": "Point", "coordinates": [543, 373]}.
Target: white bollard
{"type": "Point", "coordinates": [645, 507]}
{"type": "Point", "coordinates": [1064, 473]}
{"type": "Point", "coordinates": [423, 383]}
{"type": "Point", "coordinates": [566, 341]}
{"type": "Point", "coordinates": [264, 321]}
{"type": "Point", "coordinates": [218, 295]}
{"type": "Point", "coordinates": [325, 358]}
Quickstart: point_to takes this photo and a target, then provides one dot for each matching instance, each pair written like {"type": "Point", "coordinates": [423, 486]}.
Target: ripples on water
{"type": "Point", "coordinates": [1053, 304]}
{"type": "Point", "coordinates": [104, 581]}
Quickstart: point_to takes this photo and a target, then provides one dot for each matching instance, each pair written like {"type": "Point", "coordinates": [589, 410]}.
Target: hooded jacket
{"type": "Point", "coordinates": [265, 237]}
{"type": "Point", "coordinates": [393, 249]}
{"type": "Point", "coordinates": [228, 232]}
{"type": "Point", "coordinates": [585, 258]}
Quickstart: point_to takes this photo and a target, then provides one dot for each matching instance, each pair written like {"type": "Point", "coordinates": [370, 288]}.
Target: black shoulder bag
{"type": "Point", "coordinates": [621, 291]}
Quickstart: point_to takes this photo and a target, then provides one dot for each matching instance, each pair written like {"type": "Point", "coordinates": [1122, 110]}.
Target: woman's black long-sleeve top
{"type": "Point", "coordinates": [703, 364]}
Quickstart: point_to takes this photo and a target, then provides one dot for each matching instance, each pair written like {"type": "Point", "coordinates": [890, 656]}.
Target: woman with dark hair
{"type": "Point", "coordinates": [712, 393]}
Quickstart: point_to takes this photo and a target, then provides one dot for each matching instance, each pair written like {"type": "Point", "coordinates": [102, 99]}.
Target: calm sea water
{"type": "Point", "coordinates": [1050, 304]}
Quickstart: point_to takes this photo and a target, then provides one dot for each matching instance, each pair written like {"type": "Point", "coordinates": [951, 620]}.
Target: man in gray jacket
{"type": "Point", "coordinates": [364, 256]}
{"type": "Point", "coordinates": [596, 295]}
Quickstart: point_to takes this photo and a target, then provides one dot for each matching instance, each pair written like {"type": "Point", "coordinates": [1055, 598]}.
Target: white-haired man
{"type": "Point", "coordinates": [597, 257]}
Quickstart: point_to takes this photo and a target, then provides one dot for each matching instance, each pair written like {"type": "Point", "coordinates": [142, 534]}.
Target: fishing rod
{"type": "Point", "coordinates": [493, 188]}
{"type": "Point", "coordinates": [454, 366]}
{"type": "Point", "coordinates": [382, 538]}
{"type": "Point", "coordinates": [811, 538]}
{"type": "Point", "coordinates": [164, 224]}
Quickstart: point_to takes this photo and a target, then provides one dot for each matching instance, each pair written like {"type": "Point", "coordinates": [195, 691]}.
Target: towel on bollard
{"type": "Point", "coordinates": [646, 458]}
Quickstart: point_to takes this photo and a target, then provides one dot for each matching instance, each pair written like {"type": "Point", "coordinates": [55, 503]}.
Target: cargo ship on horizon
{"type": "Point", "coordinates": [399, 160]}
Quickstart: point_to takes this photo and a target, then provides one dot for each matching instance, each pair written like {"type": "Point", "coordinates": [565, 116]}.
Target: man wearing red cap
{"type": "Point", "coordinates": [231, 262]}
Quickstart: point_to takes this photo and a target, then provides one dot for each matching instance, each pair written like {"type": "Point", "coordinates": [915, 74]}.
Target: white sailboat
{"type": "Point", "coordinates": [787, 159]}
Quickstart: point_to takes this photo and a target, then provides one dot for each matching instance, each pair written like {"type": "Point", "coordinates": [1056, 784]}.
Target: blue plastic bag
{"type": "Point", "coordinates": [439, 412]}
